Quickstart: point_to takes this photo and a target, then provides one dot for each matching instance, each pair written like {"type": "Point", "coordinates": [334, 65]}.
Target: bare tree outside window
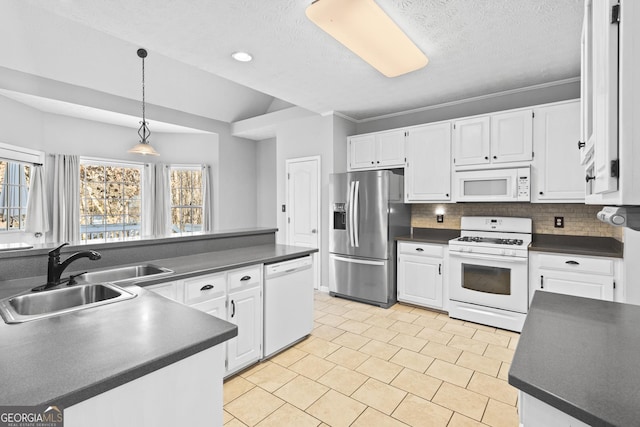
{"type": "Point", "coordinates": [186, 199]}
{"type": "Point", "coordinates": [110, 201]}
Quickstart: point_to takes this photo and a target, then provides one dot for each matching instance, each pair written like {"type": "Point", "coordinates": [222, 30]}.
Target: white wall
{"type": "Point", "coordinates": [234, 178]}
{"type": "Point", "coordinates": [266, 200]}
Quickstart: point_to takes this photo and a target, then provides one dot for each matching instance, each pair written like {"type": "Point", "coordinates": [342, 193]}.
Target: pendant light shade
{"type": "Point", "coordinates": [143, 147]}
{"type": "Point", "coordinates": [365, 29]}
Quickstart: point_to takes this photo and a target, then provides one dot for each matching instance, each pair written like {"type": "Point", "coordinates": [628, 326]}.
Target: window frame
{"type": "Point", "coordinates": [186, 167]}
{"type": "Point", "coordinates": [23, 156]}
{"type": "Point", "coordinates": [92, 161]}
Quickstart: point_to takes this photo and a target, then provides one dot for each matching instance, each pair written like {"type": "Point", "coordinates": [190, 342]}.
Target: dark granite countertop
{"type": "Point", "coordinates": [70, 358]}
{"type": "Point", "coordinates": [581, 356]}
{"type": "Point", "coordinates": [577, 245]}
{"type": "Point", "coordinates": [431, 235]}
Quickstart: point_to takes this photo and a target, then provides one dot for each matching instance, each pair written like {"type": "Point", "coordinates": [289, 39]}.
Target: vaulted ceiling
{"type": "Point", "coordinates": [474, 48]}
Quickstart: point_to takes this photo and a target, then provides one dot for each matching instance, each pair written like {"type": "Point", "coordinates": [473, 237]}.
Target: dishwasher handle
{"type": "Point", "coordinates": [287, 267]}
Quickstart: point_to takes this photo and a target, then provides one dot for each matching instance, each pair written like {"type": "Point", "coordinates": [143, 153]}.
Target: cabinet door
{"type": "Point", "coordinates": [215, 307]}
{"type": "Point", "coordinates": [245, 311]}
{"type": "Point", "coordinates": [420, 280]}
{"type": "Point", "coordinates": [512, 137]}
{"type": "Point", "coordinates": [557, 172]}
{"type": "Point", "coordinates": [390, 149]}
{"type": "Point", "coordinates": [581, 285]}
{"type": "Point", "coordinates": [604, 64]}
{"type": "Point", "coordinates": [427, 175]}
{"type": "Point", "coordinates": [362, 152]}
{"type": "Point", "coordinates": [167, 290]}
{"type": "Point", "coordinates": [471, 141]}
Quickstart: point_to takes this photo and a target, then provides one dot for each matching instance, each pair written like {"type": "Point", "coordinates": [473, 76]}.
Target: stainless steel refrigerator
{"type": "Point", "coordinates": [367, 214]}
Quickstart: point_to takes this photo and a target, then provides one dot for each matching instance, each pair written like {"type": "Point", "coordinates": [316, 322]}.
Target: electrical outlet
{"type": "Point", "coordinates": [558, 222]}
{"type": "Point", "coordinates": [439, 218]}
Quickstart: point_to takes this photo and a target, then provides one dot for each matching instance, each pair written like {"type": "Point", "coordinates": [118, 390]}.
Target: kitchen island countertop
{"type": "Point", "coordinates": [67, 359]}
{"type": "Point", "coordinates": [580, 355]}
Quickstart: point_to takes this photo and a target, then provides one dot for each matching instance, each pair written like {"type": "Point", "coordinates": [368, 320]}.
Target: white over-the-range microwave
{"type": "Point", "coordinates": [493, 185]}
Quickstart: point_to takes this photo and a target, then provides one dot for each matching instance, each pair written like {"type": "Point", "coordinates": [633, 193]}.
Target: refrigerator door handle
{"type": "Point", "coordinates": [352, 185]}
{"type": "Point", "coordinates": [356, 216]}
{"type": "Point", "coordinates": [357, 261]}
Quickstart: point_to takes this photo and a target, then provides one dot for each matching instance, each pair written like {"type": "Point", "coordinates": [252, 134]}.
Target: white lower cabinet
{"type": "Point", "coordinates": [245, 311]}
{"type": "Point", "coordinates": [578, 275]}
{"type": "Point", "coordinates": [234, 296]}
{"type": "Point", "coordinates": [168, 290]}
{"type": "Point", "coordinates": [420, 274]}
{"type": "Point", "coordinates": [536, 413]}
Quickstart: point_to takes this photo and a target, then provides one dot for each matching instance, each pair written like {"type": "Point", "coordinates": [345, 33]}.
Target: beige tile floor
{"type": "Point", "coordinates": [367, 366]}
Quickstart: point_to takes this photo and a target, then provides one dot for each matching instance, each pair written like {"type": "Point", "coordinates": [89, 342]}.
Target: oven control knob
{"type": "Point", "coordinates": [503, 252]}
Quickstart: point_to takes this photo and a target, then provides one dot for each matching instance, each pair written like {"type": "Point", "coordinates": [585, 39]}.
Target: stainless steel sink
{"type": "Point", "coordinates": [39, 305]}
{"type": "Point", "coordinates": [121, 274]}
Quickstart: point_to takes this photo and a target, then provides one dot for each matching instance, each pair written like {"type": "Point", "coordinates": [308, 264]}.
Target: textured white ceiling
{"type": "Point", "coordinates": [474, 47]}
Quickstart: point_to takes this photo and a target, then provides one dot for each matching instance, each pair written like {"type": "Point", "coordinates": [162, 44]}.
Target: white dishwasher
{"type": "Point", "coordinates": [288, 303]}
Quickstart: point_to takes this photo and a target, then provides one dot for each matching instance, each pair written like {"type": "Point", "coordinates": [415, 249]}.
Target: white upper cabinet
{"type": "Point", "coordinates": [557, 173]}
{"type": "Point", "coordinates": [427, 174]}
{"type": "Point", "coordinates": [512, 137]}
{"type": "Point", "coordinates": [382, 150]}
{"type": "Point", "coordinates": [362, 152]}
{"type": "Point", "coordinates": [496, 140]}
{"type": "Point", "coordinates": [471, 144]}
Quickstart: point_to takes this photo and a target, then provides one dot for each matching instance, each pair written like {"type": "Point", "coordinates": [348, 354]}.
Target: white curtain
{"type": "Point", "coordinates": [207, 199]}
{"type": "Point", "coordinates": [37, 210]}
{"type": "Point", "coordinates": [66, 198]}
{"type": "Point", "coordinates": [156, 202]}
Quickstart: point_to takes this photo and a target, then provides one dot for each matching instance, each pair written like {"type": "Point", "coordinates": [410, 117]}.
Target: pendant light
{"type": "Point", "coordinates": [143, 147]}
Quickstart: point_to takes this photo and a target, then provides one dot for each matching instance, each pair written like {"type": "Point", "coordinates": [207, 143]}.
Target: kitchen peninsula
{"type": "Point", "coordinates": [577, 362]}
{"type": "Point", "coordinates": [147, 358]}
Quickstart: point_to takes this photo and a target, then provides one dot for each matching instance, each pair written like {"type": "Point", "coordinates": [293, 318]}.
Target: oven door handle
{"type": "Point", "coordinates": [489, 257]}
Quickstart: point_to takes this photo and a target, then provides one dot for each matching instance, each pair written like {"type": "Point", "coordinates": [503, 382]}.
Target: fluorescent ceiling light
{"type": "Point", "coordinates": [242, 56]}
{"type": "Point", "coordinates": [368, 32]}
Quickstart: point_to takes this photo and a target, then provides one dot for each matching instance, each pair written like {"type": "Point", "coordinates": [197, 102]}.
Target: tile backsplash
{"type": "Point", "coordinates": [579, 219]}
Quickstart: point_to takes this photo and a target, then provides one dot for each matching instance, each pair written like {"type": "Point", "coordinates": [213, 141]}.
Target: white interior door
{"type": "Point", "coordinates": [303, 205]}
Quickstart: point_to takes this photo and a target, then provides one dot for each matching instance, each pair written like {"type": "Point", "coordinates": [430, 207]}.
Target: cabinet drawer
{"type": "Point", "coordinates": [421, 249]}
{"type": "Point", "coordinates": [578, 264]}
{"type": "Point", "coordinates": [203, 288]}
{"type": "Point", "coordinates": [245, 277]}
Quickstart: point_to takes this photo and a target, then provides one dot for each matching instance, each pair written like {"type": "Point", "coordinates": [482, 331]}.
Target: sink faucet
{"type": "Point", "coordinates": [55, 267]}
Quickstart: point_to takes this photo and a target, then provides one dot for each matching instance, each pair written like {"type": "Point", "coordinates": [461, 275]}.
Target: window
{"type": "Point", "coordinates": [14, 192]}
{"type": "Point", "coordinates": [110, 200]}
{"type": "Point", "coordinates": [186, 199]}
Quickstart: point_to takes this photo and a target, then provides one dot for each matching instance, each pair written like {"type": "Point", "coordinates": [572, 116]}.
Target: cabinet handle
{"type": "Point", "coordinates": [571, 262]}
{"type": "Point", "coordinates": [541, 193]}
{"type": "Point", "coordinates": [486, 157]}
{"type": "Point", "coordinates": [495, 157]}
{"type": "Point", "coordinates": [206, 287]}
{"type": "Point", "coordinates": [233, 308]}
{"type": "Point", "coordinates": [589, 178]}
{"type": "Point", "coordinates": [419, 249]}
{"type": "Point", "coordinates": [440, 269]}
{"type": "Point", "coordinates": [378, 161]}
{"type": "Point", "coordinates": [446, 195]}
{"type": "Point", "coordinates": [245, 278]}
{"type": "Point", "coordinates": [372, 163]}
{"type": "Point", "coordinates": [581, 144]}
{"type": "Point", "coordinates": [541, 282]}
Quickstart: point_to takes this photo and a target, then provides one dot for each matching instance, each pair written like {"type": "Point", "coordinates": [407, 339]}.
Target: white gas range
{"type": "Point", "coordinates": [488, 282]}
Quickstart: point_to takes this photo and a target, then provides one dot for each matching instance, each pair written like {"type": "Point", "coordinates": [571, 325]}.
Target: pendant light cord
{"type": "Point", "coordinates": [143, 108]}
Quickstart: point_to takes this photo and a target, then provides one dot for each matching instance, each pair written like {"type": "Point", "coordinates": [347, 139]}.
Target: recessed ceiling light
{"type": "Point", "coordinates": [242, 56]}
